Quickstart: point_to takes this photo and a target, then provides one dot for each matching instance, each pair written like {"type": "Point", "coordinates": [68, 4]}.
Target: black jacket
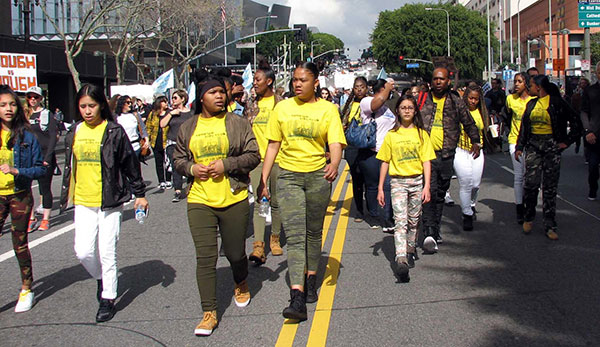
{"type": "Point", "coordinates": [561, 116]}
{"type": "Point", "coordinates": [590, 109]}
{"type": "Point", "coordinates": [118, 162]}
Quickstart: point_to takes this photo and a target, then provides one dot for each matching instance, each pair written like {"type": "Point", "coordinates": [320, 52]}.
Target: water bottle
{"type": "Point", "coordinates": [140, 215]}
{"type": "Point", "coordinates": [263, 207]}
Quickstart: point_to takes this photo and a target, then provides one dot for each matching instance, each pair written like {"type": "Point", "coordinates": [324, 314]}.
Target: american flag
{"type": "Point", "coordinates": [223, 13]}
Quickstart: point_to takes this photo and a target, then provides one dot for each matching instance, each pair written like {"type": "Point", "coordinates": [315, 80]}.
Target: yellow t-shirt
{"type": "Point", "coordinates": [540, 118]}
{"type": "Point", "coordinates": [355, 113]}
{"type": "Point", "coordinates": [517, 107]}
{"type": "Point", "coordinates": [465, 142]}
{"type": "Point", "coordinates": [303, 130]}
{"type": "Point", "coordinates": [437, 129]}
{"type": "Point", "coordinates": [231, 107]}
{"type": "Point", "coordinates": [7, 181]}
{"type": "Point", "coordinates": [259, 126]}
{"type": "Point", "coordinates": [87, 161]}
{"type": "Point", "coordinates": [209, 142]}
{"type": "Point", "coordinates": [406, 151]}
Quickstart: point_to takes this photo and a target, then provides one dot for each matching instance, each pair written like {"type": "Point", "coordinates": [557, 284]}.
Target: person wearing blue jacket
{"type": "Point", "coordinates": [20, 162]}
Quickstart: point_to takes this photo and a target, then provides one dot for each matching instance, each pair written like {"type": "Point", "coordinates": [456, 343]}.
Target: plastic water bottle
{"type": "Point", "coordinates": [140, 215]}
{"type": "Point", "coordinates": [263, 207]}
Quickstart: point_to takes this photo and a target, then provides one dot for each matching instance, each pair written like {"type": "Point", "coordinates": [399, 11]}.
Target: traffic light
{"type": "Point", "coordinates": [302, 34]}
{"type": "Point", "coordinates": [401, 58]}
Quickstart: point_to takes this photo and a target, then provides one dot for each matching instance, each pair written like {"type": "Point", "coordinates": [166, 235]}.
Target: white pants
{"type": "Point", "coordinates": [96, 236]}
{"type": "Point", "coordinates": [469, 172]}
{"type": "Point", "coordinates": [519, 172]}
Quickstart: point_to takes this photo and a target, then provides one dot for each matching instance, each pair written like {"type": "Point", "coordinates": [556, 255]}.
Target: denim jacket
{"type": "Point", "coordinates": [27, 156]}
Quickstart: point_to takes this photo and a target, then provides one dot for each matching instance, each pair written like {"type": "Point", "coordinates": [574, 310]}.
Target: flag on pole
{"type": "Point", "coordinates": [191, 90]}
{"type": "Point", "coordinates": [163, 82]}
{"type": "Point", "coordinates": [248, 78]}
{"type": "Point", "coordinates": [223, 12]}
{"type": "Point", "coordinates": [382, 74]}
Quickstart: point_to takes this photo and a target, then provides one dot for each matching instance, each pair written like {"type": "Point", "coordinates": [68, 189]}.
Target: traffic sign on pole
{"type": "Point", "coordinates": [412, 65]}
{"type": "Point", "coordinates": [589, 13]}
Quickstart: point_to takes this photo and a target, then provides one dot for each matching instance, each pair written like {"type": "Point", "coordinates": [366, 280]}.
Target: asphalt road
{"type": "Point", "coordinates": [493, 286]}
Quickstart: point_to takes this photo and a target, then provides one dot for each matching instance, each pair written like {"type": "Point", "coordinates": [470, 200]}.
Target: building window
{"type": "Point", "coordinates": [574, 50]}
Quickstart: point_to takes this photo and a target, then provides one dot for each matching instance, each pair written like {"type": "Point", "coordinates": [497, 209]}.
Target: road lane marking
{"type": "Point", "coordinates": [287, 334]}
{"type": "Point", "coordinates": [322, 317]}
{"type": "Point", "coordinates": [57, 233]}
{"type": "Point", "coordinates": [557, 195]}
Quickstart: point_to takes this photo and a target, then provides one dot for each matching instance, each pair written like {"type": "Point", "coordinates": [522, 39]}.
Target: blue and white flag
{"type": "Point", "coordinates": [248, 78]}
{"type": "Point", "coordinates": [191, 90]}
{"type": "Point", "coordinates": [382, 74]}
{"type": "Point", "coordinates": [163, 82]}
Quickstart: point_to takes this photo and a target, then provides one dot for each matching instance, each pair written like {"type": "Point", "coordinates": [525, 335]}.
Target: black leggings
{"type": "Point", "coordinates": [177, 179]}
{"type": "Point", "coordinates": [45, 185]}
{"type": "Point", "coordinates": [159, 159]}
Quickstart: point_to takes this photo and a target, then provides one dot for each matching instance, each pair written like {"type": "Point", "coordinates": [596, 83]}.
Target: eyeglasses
{"type": "Point", "coordinates": [33, 97]}
{"type": "Point", "coordinates": [407, 108]}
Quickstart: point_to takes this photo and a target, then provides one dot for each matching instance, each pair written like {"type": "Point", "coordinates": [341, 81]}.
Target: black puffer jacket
{"type": "Point", "coordinates": [119, 165]}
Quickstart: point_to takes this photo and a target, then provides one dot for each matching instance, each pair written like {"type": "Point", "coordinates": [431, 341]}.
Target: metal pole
{"type": "Point", "coordinates": [519, 30]}
{"type": "Point", "coordinates": [550, 34]}
{"type": "Point", "coordinates": [447, 22]}
{"type": "Point", "coordinates": [587, 51]}
{"type": "Point", "coordinates": [225, 38]}
{"type": "Point", "coordinates": [26, 24]}
{"type": "Point", "coordinates": [500, 15]}
{"type": "Point", "coordinates": [512, 55]}
{"type": "Point", "coordinates": [528, 54]}
{"type": "Point", "coordinates": [489, 44]}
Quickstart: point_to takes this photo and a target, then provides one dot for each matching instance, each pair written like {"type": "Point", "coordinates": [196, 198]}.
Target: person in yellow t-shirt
{"type": "Point", "coordinates": [405, 154]}
{"type": "Point", "coordinates": [351, 111]}
{"type": "Point", "coordinates": [549, 126]}
{"type": "Point", "coordinates": [21, 161]}
{"type": "Point", "coordinates": [98, 190]}
{"type": "Point", "coordinates": [514, 109]}
{"type": "Point", "coordinates": [258, 112]}
{"type": "Point", "coordinates": [469, 169]}
{"type": "Point", "coordinates": [298, 131]}
{"type": "Point", "coordinates": [218, 150]}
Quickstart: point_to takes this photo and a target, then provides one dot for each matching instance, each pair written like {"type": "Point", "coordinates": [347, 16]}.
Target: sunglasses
{"type": "Point", "coordinates": [128, 102]}
{"type": "Point", "coordinates": [33, 97]}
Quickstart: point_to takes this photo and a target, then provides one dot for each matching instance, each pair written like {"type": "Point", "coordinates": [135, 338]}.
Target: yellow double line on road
{"type": "Point", "coordinates": [320, 324]}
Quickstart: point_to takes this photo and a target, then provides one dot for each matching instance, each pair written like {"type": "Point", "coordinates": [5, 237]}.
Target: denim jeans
{"type": "Point", "coordinates": [370, 167]}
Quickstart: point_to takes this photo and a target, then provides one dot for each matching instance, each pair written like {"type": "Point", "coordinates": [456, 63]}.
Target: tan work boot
{"type": "Point", "coordinates": [241, 294]}
{"type": "Point", "coordinates": [258, 253]}
{"type": "Point", "coordinates": [527, 227]}
{"type": "Point", "coordinates": [208, 324]}
{"type": "Point", "coordinates": [275, 247]}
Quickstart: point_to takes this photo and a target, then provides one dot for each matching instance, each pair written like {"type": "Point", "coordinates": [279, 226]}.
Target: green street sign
{"type": "Point", "coordinates": [589, 14]}
{"type": "Point", "coordinates": [589, 23]}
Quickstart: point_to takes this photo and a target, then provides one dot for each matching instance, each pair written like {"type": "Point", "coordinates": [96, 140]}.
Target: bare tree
{"type": "Point", "coordinates": [89, 18]}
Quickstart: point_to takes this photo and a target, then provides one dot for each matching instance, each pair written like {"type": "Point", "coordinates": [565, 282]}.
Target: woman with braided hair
{"type": "Point", "coordinates": [351, 111]}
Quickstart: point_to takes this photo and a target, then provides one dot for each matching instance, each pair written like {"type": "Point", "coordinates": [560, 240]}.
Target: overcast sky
{"type": "Point", "coordinates": [350, 20]}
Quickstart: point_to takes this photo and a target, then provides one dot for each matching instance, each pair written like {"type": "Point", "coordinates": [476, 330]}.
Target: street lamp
{"type": "Point", "coordinates": [447, 20]}
{"type": "Point", "coordinates": [311, 47]}
{"type": "Point", "coordinates": [519, 29]}
{"type": "Point", "coordinates": [535, 42]}
{"type": "Point", "coordinates": [104, 72]}
{"type": "Point", "coordinates": [257, 18]}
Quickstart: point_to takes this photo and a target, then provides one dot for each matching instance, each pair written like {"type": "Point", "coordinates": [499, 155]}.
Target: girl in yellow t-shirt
{"type": "Point", "coordinates": [351, 111]}
{"type": "Point", "coordinates": [21, 161]}
{"type": "Point", "coordinates": [218, 150]}
{"type": "Point", "coordinates": [469, 170]}
{"type": "Point", "coordinates": [298, 131]}
{"type": "Point", "coordinates": [405, 154]}
{"type": "Point", "coordinates": [514, 109]}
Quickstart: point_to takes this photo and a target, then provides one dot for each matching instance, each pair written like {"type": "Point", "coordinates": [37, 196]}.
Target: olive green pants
{"type": "Point", "coordinates": [258, 221]}
{"type": "Point", "coordinates": [205, 222]}
{"type": "Point", "coordinates": [303, 199]}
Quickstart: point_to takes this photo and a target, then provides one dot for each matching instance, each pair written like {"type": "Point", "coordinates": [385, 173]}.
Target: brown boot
{"type": "Point", "coordinates": [258, 254]}
{"type": "Point", "coordinates": [275, 247]}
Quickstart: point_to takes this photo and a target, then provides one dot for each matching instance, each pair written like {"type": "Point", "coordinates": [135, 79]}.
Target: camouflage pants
{"type": "Point", "coordinates": [19, 206]}
{"type": "Point", "coordinates": [542, 167]}
{"type": "Point", "coordinates": [303, 200]}
{"type": "Point", "coordinates": [406, 202]}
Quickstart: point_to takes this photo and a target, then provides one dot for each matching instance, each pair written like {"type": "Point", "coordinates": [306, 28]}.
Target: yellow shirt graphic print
{"type": "Point", "coordinates": [517, 106]}
{"type": "Point", "coordinates": [7, 181]}
{"type": "Point", "coordinates": [209, 143]}
{"type": "Point", "coordinates": [259, 125]}
{"type": "Point", "coordinates": [437, 129]}
{"type": "Point", "coordinates": [87, 163]}
{"type": "Point", "coordinates": [406, 149]}
{"type": "Point", "coordinates": [540, 118]}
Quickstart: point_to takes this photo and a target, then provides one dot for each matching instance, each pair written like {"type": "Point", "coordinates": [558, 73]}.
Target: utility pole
{"type": "Point", "coordinates": [489, 44]}
{"type": "Point", "coordinates": [587, 52]}
{"type": "Point", "coordinates": [550, 34]}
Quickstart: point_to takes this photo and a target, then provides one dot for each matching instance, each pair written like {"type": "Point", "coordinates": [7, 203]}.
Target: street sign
{"type": "Point", "coordinates": [585, 65]}
{"type": "Point", "coordinates": [558, 64]}
{"type": "Point", "coordinates": [589, 14]}
{"type": "Point", "coordinates": [246, 44]}
{"type": "Point", "coordinates": [412, 65]}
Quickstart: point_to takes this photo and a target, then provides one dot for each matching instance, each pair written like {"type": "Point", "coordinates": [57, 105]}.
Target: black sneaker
{"type": "Point", "coordinates": [474, 213]}
{"type": "Point", "coordinates": [99, 291]}
{"type": "Point", "coordinates": [106, 311]}
{"type": "Point", "coordinates": [410, 257]}
{"type": "Point", "coordinates": [297, 308]}
{"type": "Point", "coordinates": [467, 222]}
{"type": "Point", "coordinates": [520, 214]}
{"type": "Point", "coordinates": [310, 289]}
{"type": "Point", "coordinates": [176, 197]}
{"type": "Point", "coordinates": [401, 269]}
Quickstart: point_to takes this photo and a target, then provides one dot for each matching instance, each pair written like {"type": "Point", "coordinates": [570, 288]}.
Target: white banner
{"type": "Point", "coordinates": [18, 70]}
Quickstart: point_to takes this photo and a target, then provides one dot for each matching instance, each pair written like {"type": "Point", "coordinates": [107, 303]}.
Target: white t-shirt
{"type": "Point", "coordinates": [384, 117]}
{"type": "Point", "coordinates": [129, 122]}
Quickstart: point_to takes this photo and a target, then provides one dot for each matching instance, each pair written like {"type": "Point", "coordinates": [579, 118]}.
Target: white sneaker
{"type": "Point", "coordinates": [430, 245]}
{"type": "Point", "coordinates": [162, 186]}
{"type": "Point", "coordinates": [25, 301]}
{"type": "Point", "coordinates": [169, 185]}
{"type": "Point", "coordinates": [448, 199]}
{"type": "Point", "coordinates": [39, 209]}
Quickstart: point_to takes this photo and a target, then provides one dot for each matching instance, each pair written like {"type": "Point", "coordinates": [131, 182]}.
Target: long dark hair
{"type": "Point", "coordinates": [377, 85]}
{"type": "Point", "coordinates": [481, 106]}
{"type": "Point", "coordinates": [525, 78]}
{"type": "Point", "coordinates": [97, 94]}
{"type": "Point", "coordinates": [121, 103]}
{"type": "Point", "coordinates": [156, 104]}
{"type": "Point", "coordinates": [348, 104]}
{"type": "Point", "coordinates": [550, 88]}
{"type": "Point", "coordinates": [417, 119]}
{"type": "Point", "coordinates": [19, 122]}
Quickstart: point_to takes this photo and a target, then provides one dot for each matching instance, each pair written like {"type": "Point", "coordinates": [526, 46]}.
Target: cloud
{"type": "Point", "coordinates": [350, 20]}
